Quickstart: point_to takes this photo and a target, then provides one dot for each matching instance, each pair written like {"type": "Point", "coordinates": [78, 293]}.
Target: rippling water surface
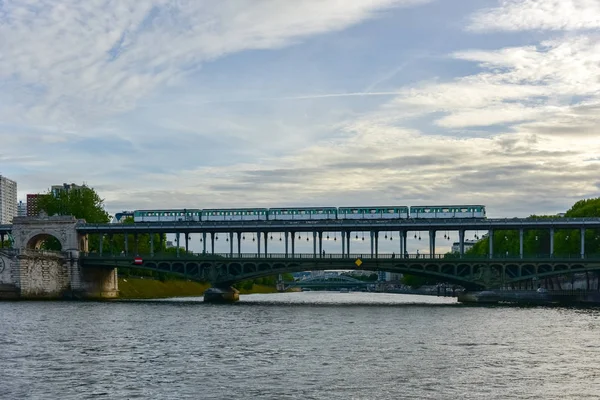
{"type": "Point", "coordinates": [297, 346]}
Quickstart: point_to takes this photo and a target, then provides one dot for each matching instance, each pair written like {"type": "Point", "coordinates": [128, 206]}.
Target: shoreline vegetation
{"type": "Point", "coordinates": [149, 288]}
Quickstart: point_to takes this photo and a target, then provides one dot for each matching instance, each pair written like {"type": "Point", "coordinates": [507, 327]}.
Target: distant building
{"type": "Point", "coordinates": [21, 209]}
{"type": "Point", "coordinates": [55, 189]}
{"type": "Point", "coordinates": [8, 200]}
{"type": "Point", "coordinates": [468, 245]}
{"type": "Point", "coordinates": [32, 204]}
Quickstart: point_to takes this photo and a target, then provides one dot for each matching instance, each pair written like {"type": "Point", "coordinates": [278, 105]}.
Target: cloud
{"type": "Point", "coordinates": [524, 15]}
{"type": "Point", "coordinates": [72, 62]}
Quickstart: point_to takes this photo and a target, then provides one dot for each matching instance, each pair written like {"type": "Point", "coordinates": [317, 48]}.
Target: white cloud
{"type": "Point", "coordinates": [73, 62]}
{"type": "Point", "coordinates": [519, 15]}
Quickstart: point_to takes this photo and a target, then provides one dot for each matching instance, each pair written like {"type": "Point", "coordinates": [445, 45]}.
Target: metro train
{"type": "Point", "coordinates": [309, 213]}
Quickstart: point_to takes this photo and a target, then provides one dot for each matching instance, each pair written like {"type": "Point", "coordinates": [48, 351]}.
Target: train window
{"type": "Point", "coordinates": [427, 210]}
{"type": "Point", "coordinates": [354, 211]}
{"type": "Point", "coordinates": [445, 210]}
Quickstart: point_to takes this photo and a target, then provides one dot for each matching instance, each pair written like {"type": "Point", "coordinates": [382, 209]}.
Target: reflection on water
{"type": "Point", "coordinates": [312, 345]}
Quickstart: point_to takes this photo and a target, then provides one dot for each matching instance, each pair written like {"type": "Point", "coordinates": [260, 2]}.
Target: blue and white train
{"type": "Point", "coordinates": [312, 213]}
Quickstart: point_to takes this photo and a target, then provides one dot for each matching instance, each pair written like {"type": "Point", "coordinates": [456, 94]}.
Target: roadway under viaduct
{"type": "Point", "coordinates": [471, 273]}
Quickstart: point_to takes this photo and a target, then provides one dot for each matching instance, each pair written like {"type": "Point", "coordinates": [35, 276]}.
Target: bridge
{"type": "Point", "coordinates": [472, 273]}
{"type": "Point", "coordinates": [234, 231]}
{"type": "Point", "coordinates": [327, 282]}
{"type": "Point", "coordinates": [222, 270]}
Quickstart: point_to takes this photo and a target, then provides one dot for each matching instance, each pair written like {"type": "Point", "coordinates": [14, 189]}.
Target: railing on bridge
{"type": "Point", "coordinates": [353, 256]}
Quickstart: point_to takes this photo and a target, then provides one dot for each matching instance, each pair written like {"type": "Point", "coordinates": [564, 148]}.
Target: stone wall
{"type": "Point", "coordinates": [42, 274]}
{"type": "Point", "coordinates": [39, 274]}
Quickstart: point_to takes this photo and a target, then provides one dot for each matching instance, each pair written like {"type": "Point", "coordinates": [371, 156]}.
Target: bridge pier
{"type": "Point", "coordinates": [31, 273]}
{"type": "Point", "coordinates": [221, 294]}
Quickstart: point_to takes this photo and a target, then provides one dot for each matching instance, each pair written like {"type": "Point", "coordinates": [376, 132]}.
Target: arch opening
{"type": "Point", "coordinates": [44, 241]}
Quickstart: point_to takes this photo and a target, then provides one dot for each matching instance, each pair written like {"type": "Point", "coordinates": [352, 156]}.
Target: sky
{"type": "Point", "coordinates": [247, 103]}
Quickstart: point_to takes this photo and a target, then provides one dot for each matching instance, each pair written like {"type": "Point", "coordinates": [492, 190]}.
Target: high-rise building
{"type": "Point", "coordinates": [21, 209]}
{"type": "Point", "coordinates": [65, 187]}
{"type": "Point", "coordinates": [32, 204]}
{"type": "Point", "coordinates": [8, 200]}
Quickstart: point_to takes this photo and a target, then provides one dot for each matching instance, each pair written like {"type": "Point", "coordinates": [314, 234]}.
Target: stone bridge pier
{"type": "Point", "coordinates": [29, 272]}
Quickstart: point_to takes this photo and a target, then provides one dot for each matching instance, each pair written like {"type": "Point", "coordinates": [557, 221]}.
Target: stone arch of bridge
{"type": "Point", "coordinates": [37, 240]}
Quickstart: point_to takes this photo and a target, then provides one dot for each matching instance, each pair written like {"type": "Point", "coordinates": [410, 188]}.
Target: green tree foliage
{"type": "Point", "coordinates": [536, 242]}
{"type": "Point", "coordinates": [82, 203]}
{"type": "Point", "coordinates": [365, 278]}
{"type": "Point", "coordinates": [416, 282]}
{"type": "Point", "coordinates": [136, 244]}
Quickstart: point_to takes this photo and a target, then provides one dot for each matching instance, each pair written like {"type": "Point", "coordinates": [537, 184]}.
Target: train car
{"type": "Point", "coordinates": [235, 214]}
{"type": "Point", "coordinates": [167, 215]}
{"type": "Point", "coordinates": [122, 216]}
{"type": "Point", "coordinates": [302, 213]}
{"type": "Point", "coordinates": [455, 211]}
{"type": "Point", "coordinates": [375, 212]}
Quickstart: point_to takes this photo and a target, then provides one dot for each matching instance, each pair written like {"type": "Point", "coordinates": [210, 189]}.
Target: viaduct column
{"type": "Point", "coordinates": [315, 244]}
{"type": "Point", "coordinates": [372, 244]}
{"type": "Point", "coordinates": [177, 242]}
{"type": "Point", "coordinates": [432, 243]}
{"type": "Point", "coordinates": [348, 234]}
{"type": "Point", "coordinates": [266, 237]}
{"type": "Point", "coordinates": [461, 242]}
{"type": "Point", "coordinates": [212, 243]}
{"type": "Point", "coordinates": [286, 235]}
{"type": "Point", "coordinates": [187, 242]}
{"type": "Point", "coordinates": [151, 245]}
{"type": "Point", "coordinates": [343, 244]}
{"type": "Point", "coordinates": [376, 244]}
{"type": "Point", "coordinates": [239, 247]}
{"type": "Point", "coordinates": [521, 243]}
{"type": "Point", "coordinates": [231, 244]}
{"type": "Point", "coordinates": [293, 243]}
{"type": "Point", "coordinates": [551, 242]}
{"type": "Point", "coordinates": [491, 242]}
{"type": "Point", "coordinates": [320, 244]}
{"type": "Point", "coordinates": [582, 242]}
{"type": "Point", "coordinates": [258, 243]}
{"type": "Point", "coordinates": [204, 242]}
{"type": "Point", "coordinates": [126, 243]}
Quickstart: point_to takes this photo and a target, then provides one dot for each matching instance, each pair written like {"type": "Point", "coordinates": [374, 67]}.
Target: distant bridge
{"type": "Point", "coordinates": [328, 282]}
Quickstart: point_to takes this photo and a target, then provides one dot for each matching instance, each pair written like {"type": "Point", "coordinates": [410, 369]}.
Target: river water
{"type": "Point", "coordinates": [310, 345]}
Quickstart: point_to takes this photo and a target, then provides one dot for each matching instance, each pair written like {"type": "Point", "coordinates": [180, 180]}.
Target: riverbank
{"type": "Point", "coordinates": [137, 288]}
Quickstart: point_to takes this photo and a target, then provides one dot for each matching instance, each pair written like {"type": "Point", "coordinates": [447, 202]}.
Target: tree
{"type": "Point", "coordinates": [537, 241]}
{"type": "Point", "coordinates": [82, 203]}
